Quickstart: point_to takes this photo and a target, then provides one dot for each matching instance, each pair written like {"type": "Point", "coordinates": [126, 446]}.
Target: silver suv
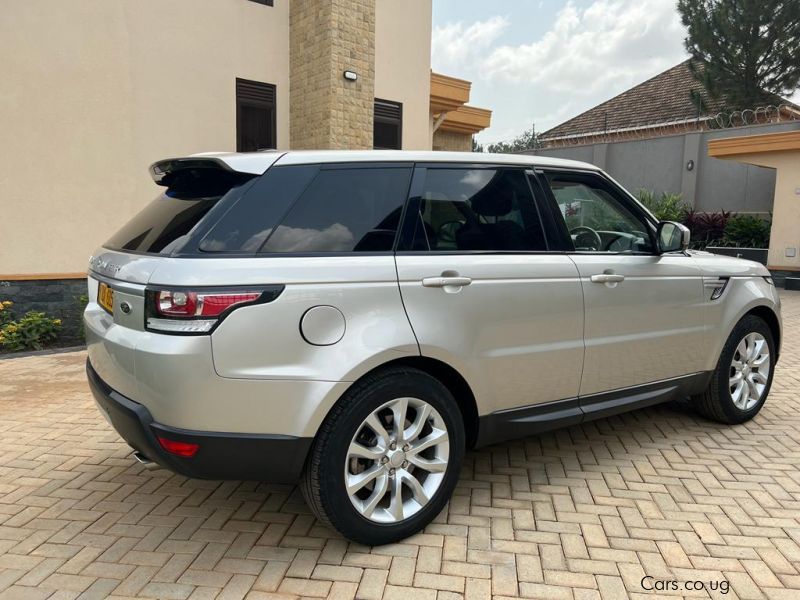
{"type": "Point", "coordinates": [355, 320]}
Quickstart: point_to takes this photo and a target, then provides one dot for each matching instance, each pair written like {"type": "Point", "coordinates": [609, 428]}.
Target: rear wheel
{"type": "Point", "coordinates": [740, 384]}
{"type": "Point", "coordinates": [387, 458]}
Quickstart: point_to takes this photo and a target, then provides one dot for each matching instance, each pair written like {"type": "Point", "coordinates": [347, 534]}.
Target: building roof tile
{"type": "Point", "coordinates": [669, 96]}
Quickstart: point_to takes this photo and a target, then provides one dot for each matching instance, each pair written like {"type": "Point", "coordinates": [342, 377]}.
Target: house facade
{"type": "Point", "coordinates": [655, 136]}
{"type": "Point", "coordinates": [96, 91]}
{"type": "Point", "coordinates": [779, 152]}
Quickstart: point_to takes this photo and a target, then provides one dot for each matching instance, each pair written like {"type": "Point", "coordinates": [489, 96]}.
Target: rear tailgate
{"type": "Point", "coordinates": [193, 187]}
{"type": "Point", "coordinates": [108, 334]}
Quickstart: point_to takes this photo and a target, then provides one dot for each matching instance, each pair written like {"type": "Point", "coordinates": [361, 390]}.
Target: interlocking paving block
{"type": "Point", "coordinates": [583, 512]}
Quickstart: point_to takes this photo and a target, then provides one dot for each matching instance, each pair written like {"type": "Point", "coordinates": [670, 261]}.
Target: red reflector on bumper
{"type": "Point", "coordinates": [184, 449]}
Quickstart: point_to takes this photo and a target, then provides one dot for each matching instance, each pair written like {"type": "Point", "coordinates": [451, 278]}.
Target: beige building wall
{"type": "Point", "coordinates": [95, 91]}
{"type": "Point", "coordinates": [403, 64]}
{"type": "Point", "coordinates": [779, 151]}
{"type": "Point", "coordinates": [785, 232]}
{"type": "Point", "coordinates": [786, 211]}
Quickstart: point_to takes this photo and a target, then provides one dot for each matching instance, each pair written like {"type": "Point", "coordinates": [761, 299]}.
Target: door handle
{"type": "Point", "coordinates": [607, 278]}
{"type": "Point", "coordinates": [440, 282]}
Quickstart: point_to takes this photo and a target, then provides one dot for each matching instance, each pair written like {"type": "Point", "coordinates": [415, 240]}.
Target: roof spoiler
{"type": "Point", "coordinates": [163, 172]}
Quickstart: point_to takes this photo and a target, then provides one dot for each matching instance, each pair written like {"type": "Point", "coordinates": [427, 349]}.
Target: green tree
{"type": "Point", "coordinates": [527, 140]}
{"type": "Point", "coordinates": [744, 51]}
{"type": "Point", "coordinates": [476, 147]}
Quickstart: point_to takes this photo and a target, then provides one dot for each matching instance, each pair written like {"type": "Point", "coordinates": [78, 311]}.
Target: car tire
{"type": "Point", "coordinates": [738, 388]}
{"type": "Point", "coordinates": [390, 506]}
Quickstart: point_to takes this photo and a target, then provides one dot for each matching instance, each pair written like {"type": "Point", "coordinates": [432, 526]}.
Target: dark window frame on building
{"type": "Point", "coordinates": [388, 114]}
{"type": "Point", "coordinates": [258, 96]}
{"type": "Point", "coordinates": [264, 2]}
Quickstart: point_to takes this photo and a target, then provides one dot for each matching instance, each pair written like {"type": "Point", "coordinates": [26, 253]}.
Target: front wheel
{"type": "Point", "coordinates": [387, 457]}
{"type": "Point", "coordinates": [740, 384]}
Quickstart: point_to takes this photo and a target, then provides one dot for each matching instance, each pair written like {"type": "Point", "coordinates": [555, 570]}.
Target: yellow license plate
{"type": "Point", "coordinates": [105, 297]}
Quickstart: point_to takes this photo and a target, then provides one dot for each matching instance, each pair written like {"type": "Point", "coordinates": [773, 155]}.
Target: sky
{"type": "Point", "coordinates": [541, 62]}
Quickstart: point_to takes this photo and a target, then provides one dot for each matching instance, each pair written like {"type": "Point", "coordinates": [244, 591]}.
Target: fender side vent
{"type": "Point", "coordinates": [716, 286]}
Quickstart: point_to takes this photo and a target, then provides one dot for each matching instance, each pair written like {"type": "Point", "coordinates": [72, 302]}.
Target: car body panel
{"type": "Point", "coordinates": [741, 296]}
{"type": "Point", "coordinates": [110, 346]}
{"type": "Point", "coordinates": [515, 333]}
{"type": "Point", "coordinates": [719, 265]}
{"type": "Point", "coordinates": [174, 378]}
{"type": "Point", "coordinates": [645, 328]}
{"type": "Point", "coordinates": [124, 267]}
{"type": "Point", "coordinates": [746, 290]}
{"type": "Point", "coordinates": [266, 342]}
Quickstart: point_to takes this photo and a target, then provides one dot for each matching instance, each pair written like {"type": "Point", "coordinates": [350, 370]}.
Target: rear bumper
{"type": "Point", "coordinates": [272, 458]}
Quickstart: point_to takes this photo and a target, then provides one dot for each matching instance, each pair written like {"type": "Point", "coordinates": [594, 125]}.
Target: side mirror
{"type": "Point", "coordinates": [672, 237]}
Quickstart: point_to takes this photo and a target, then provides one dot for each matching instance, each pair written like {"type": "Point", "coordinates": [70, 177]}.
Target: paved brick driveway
{"type": "Point", "coordinates": [584, 512]}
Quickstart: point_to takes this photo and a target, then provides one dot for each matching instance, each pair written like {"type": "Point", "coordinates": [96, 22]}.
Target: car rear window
{"type": "Point", "coordinates": [163, 226]}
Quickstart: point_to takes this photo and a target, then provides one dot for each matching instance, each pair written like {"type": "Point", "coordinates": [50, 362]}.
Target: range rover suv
{"type": "Point", "coordinates": [353, 321]}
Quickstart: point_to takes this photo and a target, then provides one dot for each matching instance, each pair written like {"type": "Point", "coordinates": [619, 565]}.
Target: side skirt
{"type": "Point", "coordinates": [537, 418]}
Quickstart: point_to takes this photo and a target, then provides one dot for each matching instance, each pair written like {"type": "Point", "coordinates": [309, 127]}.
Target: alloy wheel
{"type": "Point", "coordinates": [397, 460]}
{"type": "Point", "coordinates": [749, 372]}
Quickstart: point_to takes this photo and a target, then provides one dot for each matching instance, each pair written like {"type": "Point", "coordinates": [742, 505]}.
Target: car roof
{"type": "Point", "coordinates": [258, 162]}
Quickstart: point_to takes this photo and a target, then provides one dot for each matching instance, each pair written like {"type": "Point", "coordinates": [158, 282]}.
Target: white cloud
{"type": "Point", "coordinates": [609, 44]}
{"type": "Point", "coordinates": [570, 59]}
{"type": "Point", "coordinates": [455, 45]}
{"type": "Point", "coordinates": [334, 238]}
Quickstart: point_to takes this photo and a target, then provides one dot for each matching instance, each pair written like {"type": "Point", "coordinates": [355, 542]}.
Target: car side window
{"type": "Point", "coordinates": [244, 226]}
{"type": "Point", "coordinates": [344, 210]}
{"type": "Point", "coordinates": [464, 209]}
{"type": "Point", "coordinates": [597, 219]}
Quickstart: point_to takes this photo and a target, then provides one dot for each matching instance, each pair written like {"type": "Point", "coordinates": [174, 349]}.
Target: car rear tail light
{"type": "Point", "coordinates": [184, 449]}
{"type": "Point", "coordinates": [194, 304]}
{"type": "Point", "coordinates": [182, 311]}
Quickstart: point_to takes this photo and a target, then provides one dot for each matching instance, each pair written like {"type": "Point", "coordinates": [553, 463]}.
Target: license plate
{"type": "Point", "coordinates": [105, 297]}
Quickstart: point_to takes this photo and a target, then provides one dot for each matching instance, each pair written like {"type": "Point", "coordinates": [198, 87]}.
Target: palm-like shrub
{"type": "Point", "coordinates": [665, 207]}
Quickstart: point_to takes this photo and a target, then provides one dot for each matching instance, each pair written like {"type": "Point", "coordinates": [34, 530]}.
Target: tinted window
{"type": "Point", "coordinates": [345, 210]}
{"type": "Point", "coordinates": [163, 226]}
{"type": "Point", "coordinates": [597, 218]}
{"type": "Point", "coordinates": [477, 209]}
{"type": "Point", "coordinates": [250, 221]}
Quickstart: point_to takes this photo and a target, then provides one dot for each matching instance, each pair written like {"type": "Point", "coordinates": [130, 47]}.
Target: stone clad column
{"type": "Point", "coordinates": [326, 38]}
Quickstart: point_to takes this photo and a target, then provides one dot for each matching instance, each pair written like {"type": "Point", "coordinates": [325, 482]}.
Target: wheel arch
{"type": "Point", "coordinates": [771, 318]}
{"type": "Point", "coordinates": [447, 376]}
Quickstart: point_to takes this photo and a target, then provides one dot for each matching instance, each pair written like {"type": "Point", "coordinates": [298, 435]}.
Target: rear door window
{"type": "Point", "coordinates": [344, 209]}
{"type": "Point", "coordinates": [477, 209]}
